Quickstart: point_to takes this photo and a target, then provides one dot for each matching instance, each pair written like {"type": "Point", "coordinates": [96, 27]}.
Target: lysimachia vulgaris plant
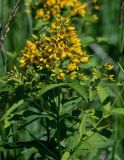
{"type": "Point", "coordinates": [56, 87]}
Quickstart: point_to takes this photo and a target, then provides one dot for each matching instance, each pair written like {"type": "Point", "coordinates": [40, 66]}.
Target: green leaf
{"type": "Point", "coordinates": [18, 81]}
{"type": "Point", "coordinates": [72, 141]}
{"type": "Point", "coordinates": [74, 85]}
{"type": "Point", "coordinates": [103, 93]}
{"type": "Point", "coordinates": [2, 149]}
{"type": "Point", "coordinates": [87, 40]}
{"type": "Point", "coordinates": [40, 24]}
{"type": "Point", "coordinates": [11, 54]}
{"type": "Point", "coordinates": [70, 104]}
{"type": "Point", "coordinates": [74, 158]}
{"type": "Point", "coordinates": [72, 101]}
{"type": "Point", "coordinates": [12, 108]}
{"type": "Point", "coordinates": [46, 88]}
{"type": "Point", "coordinates": [117, 111]}
{"type": "Point", "coordinates": [7, 123]}
{"type": "Point", "coordinates": [28, 113]}
{"type": "Point", "coordinates": [79, 89]}
{"type": "Point", "coordinates": [82, 126]}
{"type": "Point", "coordinates": [122, 69]}
{"type": "Point", "coordinates": [91, 144]}
{"type": "Point", "coordinates": [106, 109]}
{"type": "Point", "coordinates": [66, 156]}
{"type": "Point", "coordinates": [92, 94]}
{"type": "Point", "coordinates": [102, 40]}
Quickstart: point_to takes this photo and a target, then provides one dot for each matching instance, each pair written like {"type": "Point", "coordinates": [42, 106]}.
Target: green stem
{"type": "Point", "coordinates": [4, 60]}
{"type": "Point", "coordinates": [13, 137]}
{"type": "Point", "coordinates": [2, 156]}
{"type": "Point", "coordinates": [115, 139]}
{"type": "Point", "coordinates": [3, 139]}
{"type": "Point", "coordinates": [39, 142]}
{"type": "Point", "coordinates": [48, 131]}
{"type": "Point", "coordinates": [58, 125]}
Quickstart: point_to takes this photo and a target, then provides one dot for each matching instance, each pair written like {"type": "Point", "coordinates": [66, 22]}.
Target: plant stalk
{"type": "Point", "coordinates": [58, 125]}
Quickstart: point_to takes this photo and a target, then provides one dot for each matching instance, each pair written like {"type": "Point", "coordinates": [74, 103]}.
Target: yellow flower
{"type": "Point", "coordinates": [84, 77]}
{"type": "Point", "coordinates": [51, 2]}
{"type": "Point", "coordinates": [70, 28]}
{"type": "Point", "coordinates": [111, 77]}
{"type": "Point", "coordinates": [28, 11]}
{"type": "Point", "coordinates": [40, 13]}
{"type": "Point", "coordinates": [34, 36]}
{"type": "Point", "coordinates": [51, 47]}
{"type": "Point", "coordinates": [65, 3]}
{"type": "Point", "coordinates": [108, 66]}
{"type": "Point", "coordinates": [61, 75]}
{"type": "Point", "coordinates": [84, 59]}
{"type": "Point", "coordinates": [95, 17]}
{"type": "Point", "coordinates": [55, 10]}
{"type": "Point", "coordinates": [79, 8]}
{"type": "Point", "coordinates": [97, 7]}
{"type": "Point", "coordinates": [46, 9]}
{"type": "Point", "coordinates": [73, 75]}
{"type": "Point", "coordinates": [72, 67]}
{"type": "Point", "coordinates": [28, 3]}
{"type": "Point", "coordinates": [30, 55]}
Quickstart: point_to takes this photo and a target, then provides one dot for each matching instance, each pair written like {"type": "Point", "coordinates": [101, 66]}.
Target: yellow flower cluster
{"type": "Point", "coordinates": [23, 79]}
{"type": "Point", "coordinates": [46, 9]}
{"type": "Point", "coordinates": [59, 51]}
{"type": "Point", "coordinates": [31, 55]}
{"type": "Point", "coordinates": [106, 72]}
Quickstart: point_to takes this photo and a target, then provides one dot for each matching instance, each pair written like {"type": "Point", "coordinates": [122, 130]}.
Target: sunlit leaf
{"type": "Point", "coordinates": [82, 126]}
{"type": "Point", "coordinates": [12, 108]}
{"type": "Point", "coordinates": [103, 93]}
{"type": "Point", "coordinates": [66, 156]}
{"type": "Point", "coordinates": [79, 89]}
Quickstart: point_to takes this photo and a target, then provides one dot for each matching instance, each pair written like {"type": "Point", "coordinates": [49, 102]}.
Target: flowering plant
{"type": "Point", "coordinates": [55, 8]}
{"type": "Point", "coordinates": [56, 103]}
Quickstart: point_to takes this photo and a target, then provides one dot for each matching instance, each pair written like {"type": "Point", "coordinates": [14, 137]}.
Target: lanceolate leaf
{"type": "Point", "coordinates": [117, 111]}
{"type": "Point", "coordinates": [91, 145]}
{"type": "Point", "coordinates": [79, 89]}
{"type": "Point", "coordinates": [72, 101]}
{"type": "Point", "coordinates": [82, 126]}
{"type": "Point", "coordinates": [70, 104]}
{"type": "Point", "coordinates": [49, 87]}
{"type": "Point", "coordinates": [66, 156]}
{"type": "Point", "coordinates": [12, 108]}
{"type": "Point", "coordinates": [74, 85]}
{"type": "Point", "coordinates": [103, 93]}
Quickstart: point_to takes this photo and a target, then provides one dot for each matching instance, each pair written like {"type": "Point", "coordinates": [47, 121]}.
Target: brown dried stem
{"type": "Point", "coordinates": [5, 31]}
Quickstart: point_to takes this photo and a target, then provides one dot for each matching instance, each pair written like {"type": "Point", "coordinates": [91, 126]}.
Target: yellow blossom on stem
{"type": "Point", "coordinates": [46, 9]}
{"type": "Point", "coordinates": [84, 59]}
{"type": "Point", "coordinates": [72, 67]}
{"type": "Point", "coordinates": [59, 51]}
{"type": "Point", "coordinates": [108, 66]}
{"type": "Point", "coordinates": [61, 75]}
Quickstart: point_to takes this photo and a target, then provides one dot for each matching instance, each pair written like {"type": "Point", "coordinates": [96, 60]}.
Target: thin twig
{"type": "Point", "coordinates": [122, 27]}
{"type": "Point", "coordinates": [39, 142]}
{"type": "Point", "coordinates": [5, 31]}
{"type": "Point", "coordinates": [13, 137]}
{"type": "Point", "coordinates": [2, 156]}
{"type": "Point", "coordinates": [58, 124]}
